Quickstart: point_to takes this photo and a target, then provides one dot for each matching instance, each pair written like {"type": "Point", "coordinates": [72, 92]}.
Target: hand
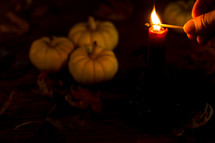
{"type": "Point", "coordinates": [202, 26]}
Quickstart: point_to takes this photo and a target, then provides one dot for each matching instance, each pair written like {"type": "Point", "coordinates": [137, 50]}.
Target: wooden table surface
{"type": "Point", "coordinates": [135, 108]}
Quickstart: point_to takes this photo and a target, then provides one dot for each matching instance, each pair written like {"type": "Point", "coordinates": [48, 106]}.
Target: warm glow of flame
{"type": "Point", "coordinates": [155, 20]}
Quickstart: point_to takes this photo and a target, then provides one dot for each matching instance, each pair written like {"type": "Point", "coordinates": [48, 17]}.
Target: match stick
{"type": "Point", "coordinates": [166, 25]}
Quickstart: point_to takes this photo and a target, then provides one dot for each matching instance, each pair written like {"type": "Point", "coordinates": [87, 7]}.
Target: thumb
{"type": "Point", "coordinates": [201, 25]}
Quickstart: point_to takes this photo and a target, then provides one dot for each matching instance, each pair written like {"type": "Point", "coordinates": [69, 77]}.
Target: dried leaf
{"type": "Point", "coordinates": [43, 87]}
{"type": "Point", "coordinates": [21, 5]}
{"type": "Point", "coordinates": [200, 59]}
{"type": "Point", "coordinates": [22, 124]}
{"type": "Point", "coordinates": [73, 119]}
{"type": "Point", "coordinates": [201, 117]}
{"type": "Point", "coordinates": [83, 98]}
{"type": "Point", "coordinates": [178, 131]}
{"type": "Point", "coordinates": [52, 121]}
{"type": "Point", "coordinates": [55, 123]}
{"type": "Point", "coordinates": [6, 104]}
{"type": "Point", "coordinates": [14, 25]}
{"type": "Point", "coordinates": [76, 121]}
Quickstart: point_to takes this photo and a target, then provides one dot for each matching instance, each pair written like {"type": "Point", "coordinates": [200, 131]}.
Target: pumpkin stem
{"type": "Point", "coordinates": [92, 53]}
{"type": "Point", "coordinates": [52, 43]}
{"type": "Point", "coordinates": [94, 46]}
{"type": "Point", "coordinates": [91, 23]}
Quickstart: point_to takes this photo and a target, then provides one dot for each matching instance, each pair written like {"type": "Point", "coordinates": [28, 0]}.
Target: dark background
{"type": "Point", "coordinates": [139, 105]}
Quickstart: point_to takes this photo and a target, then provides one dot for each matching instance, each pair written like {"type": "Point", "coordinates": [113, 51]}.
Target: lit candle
{"type": "Point", "coordinates": [156, 40]}
{"type": "Point", "coordinates": [157, 33]}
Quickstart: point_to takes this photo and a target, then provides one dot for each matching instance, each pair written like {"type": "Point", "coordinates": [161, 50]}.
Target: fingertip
{"type": "Point", "coordinates": [191, 36]}
{"type": "Point", "coordinates": [195, 11]}
{"type": "Point", "coordinates": [189, 27]}
{"type": "Point", "coordinates": [201, 39]}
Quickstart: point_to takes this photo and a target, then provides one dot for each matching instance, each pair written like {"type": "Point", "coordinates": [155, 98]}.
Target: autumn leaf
{"type": "Point", "coordinates": [6, 104]}
{"type": "Point", "coordinates": [84, 98]}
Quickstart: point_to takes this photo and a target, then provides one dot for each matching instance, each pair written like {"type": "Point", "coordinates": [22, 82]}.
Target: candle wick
{"type": "Point", "coordinates": [147, 24]}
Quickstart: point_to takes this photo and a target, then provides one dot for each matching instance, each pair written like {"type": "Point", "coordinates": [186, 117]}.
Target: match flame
{"type": "Point", "coordinates": [155, 20]}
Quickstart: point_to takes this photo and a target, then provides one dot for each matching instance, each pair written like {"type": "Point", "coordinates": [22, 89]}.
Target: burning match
{"type": "Point", "coordinates": [165, 25]}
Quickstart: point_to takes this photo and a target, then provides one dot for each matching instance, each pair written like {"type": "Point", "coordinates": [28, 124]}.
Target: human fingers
{"type": "Point", "coordinates": [201, 26]}
{"type": "Point", "coordinates": [191, 36]}
{"type": "Point", "coordinates": [202, 6]}
{"type": "Point", "coordinates": [202, 39]}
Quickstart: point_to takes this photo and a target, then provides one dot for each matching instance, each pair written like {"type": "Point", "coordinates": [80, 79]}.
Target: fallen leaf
{"type": "Point", "coordinates": [84, 98]}
{"type": "Point", "coordinates": [6, 104]}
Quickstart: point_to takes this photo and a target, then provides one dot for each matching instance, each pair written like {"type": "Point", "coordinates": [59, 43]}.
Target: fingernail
{"type": "Point", "coordinates": [189, 27]}
{"type": "Point", "coordinates": [201, 39]}
{"type": "Point", "coordinates": [191, 36]}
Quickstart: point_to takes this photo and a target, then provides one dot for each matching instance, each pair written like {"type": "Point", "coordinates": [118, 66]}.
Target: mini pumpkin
{"type": "Point", "coordinates": [104, 33]}
{"type": "Point", "coordinates": [49, 54]}
{"type": "Point", "coordinates": [92, 64]}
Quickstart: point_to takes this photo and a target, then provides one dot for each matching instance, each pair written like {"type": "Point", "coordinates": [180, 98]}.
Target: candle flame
{"type": "Point", "coordinates": [155, 20]}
